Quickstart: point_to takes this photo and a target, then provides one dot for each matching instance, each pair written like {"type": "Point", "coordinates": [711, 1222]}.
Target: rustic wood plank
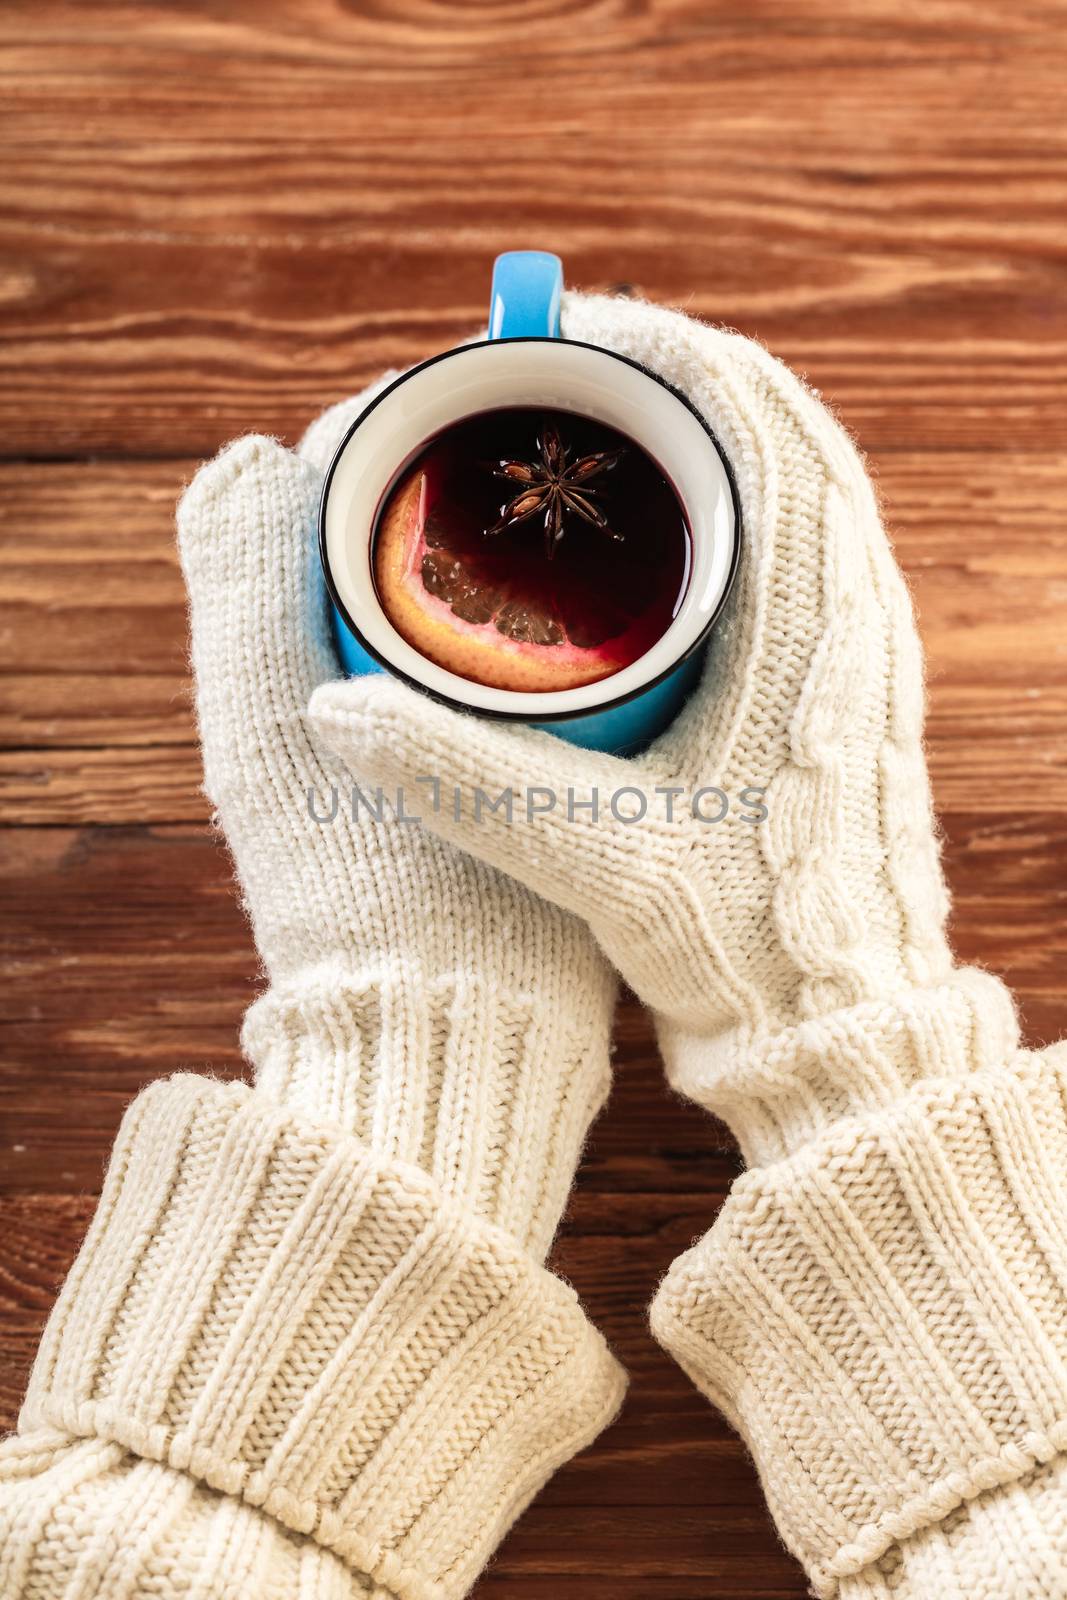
{"type": "Point", "coordinates": [127, 958]}
{"type": "Point", "coordinates": [193, 343]}
{"type": "Point", "coordinates": [253, 221]}
{"type": "Point", "coordinates": [109, 786]}
{"type": "Point", "coordinates": [1014, 758]}
{"type": "Point", "coordinates": [81, 708]}
{"type": "Point", "coordinates": [746, 1581]}
{"type": "Point", "coordinates": [65, 1081]}
{"type": "Point", "coordinates": [713, 1541]}
{"type": "Point", "coordinates": [95, 709]}
{"type": "Point", "coordinates": [152, 914]}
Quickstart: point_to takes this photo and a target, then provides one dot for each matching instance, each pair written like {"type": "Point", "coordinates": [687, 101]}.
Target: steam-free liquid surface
{"type": "Point", "coordinates": [531, 549]}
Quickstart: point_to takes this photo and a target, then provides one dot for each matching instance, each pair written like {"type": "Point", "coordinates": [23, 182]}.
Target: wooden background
{"type": "Point", "coordinates": [220, 217]}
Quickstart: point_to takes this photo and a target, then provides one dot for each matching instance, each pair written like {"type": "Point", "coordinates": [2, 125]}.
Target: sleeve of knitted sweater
{"type": "Point", "coordinates": [286, 1368]}
{"type": "Point", "coordinates": [882, 1312]}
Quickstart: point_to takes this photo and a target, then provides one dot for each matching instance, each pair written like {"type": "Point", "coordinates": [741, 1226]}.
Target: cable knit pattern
{"type": "Point", "coordinates": [880, 1307]}
{"type": "Point", "coordinates": [266, 1305]}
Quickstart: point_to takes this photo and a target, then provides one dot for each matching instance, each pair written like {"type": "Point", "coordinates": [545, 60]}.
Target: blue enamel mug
{"type": "Point", "coordinates": [525, 362]}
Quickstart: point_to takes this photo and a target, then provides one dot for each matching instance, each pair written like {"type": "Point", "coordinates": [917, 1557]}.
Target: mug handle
{"type": "Point", "coordinates": [524, 300]}
{"type": "Point", "coordinates": [524, 303]}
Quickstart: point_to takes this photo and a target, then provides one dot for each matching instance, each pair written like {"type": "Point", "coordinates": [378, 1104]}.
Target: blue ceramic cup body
{"type": "Point", "coordinates": [526, 362]}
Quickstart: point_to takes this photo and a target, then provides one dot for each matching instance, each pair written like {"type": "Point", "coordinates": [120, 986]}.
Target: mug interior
{"type": "Point", "coordinates": [554, 373]}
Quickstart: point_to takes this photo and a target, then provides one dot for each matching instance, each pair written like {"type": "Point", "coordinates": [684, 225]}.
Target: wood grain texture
{"type": "Point", "coordinates": [219, 218]}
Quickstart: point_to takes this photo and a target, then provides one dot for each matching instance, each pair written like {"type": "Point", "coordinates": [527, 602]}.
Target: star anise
{"type": "Point", "coordinates": [554, 486]}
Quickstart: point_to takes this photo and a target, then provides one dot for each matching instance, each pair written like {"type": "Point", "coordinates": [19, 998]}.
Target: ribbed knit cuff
{"type": "Point", "coordinates": [488, 1088]}
{"type": "Point", "coordinates": [777, 1090]}
{"type": "Point", "coordinates": [263, 1304]}
{"type": "Point", "coordinates": [884, 1315]}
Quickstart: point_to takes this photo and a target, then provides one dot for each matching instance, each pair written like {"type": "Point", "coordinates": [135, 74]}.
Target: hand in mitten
{"type": "Point", "coordinates": [324, 1296]}
{"type": "Point", "coordinates": [882, 1305]}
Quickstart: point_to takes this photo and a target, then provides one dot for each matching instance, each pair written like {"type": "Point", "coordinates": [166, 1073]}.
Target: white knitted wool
{"type": "Point", "coordinates": [308, 1348]}
{"type": "Point", "coordinates": [881, 1307]}
{"type": "Point", "coordinates": [396, 964]}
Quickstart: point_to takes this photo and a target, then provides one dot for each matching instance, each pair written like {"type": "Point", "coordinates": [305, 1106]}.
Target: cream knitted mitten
{"type": "Point", "coordinates": [308, 1349]}
{"type": "Point", "coordinates": [881, 1307]}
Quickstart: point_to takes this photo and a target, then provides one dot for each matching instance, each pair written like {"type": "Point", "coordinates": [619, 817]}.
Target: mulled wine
{"type": "Point", "coordinates": [531, 549]}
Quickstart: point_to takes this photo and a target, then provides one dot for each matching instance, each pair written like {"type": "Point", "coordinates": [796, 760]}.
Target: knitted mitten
{"type": "Point", "coordinates": [881, 1307]}
{"type": "Point", "coordinates": [323, 1296]}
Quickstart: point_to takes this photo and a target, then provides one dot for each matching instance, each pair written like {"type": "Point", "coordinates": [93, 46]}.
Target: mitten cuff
{"type": "Point", "coordinates": [489, 1088]}
{"type": "Point", "coordinates": [778, 1090]}
{"type": "Point", "coordinates": [884, 1315]}
{"type": "Point", "coordinates": [266, 1306]}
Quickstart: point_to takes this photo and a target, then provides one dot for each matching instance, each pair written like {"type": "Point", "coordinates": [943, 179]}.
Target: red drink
{"type": "Point", "coordinates": [531, 550]}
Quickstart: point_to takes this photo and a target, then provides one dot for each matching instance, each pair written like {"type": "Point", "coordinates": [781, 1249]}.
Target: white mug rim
{"type": "Point", "coordinates": [556, 705]}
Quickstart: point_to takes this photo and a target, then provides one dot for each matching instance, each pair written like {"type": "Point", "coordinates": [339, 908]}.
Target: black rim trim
{"type": "Point", "coordinates": [529, 716]}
